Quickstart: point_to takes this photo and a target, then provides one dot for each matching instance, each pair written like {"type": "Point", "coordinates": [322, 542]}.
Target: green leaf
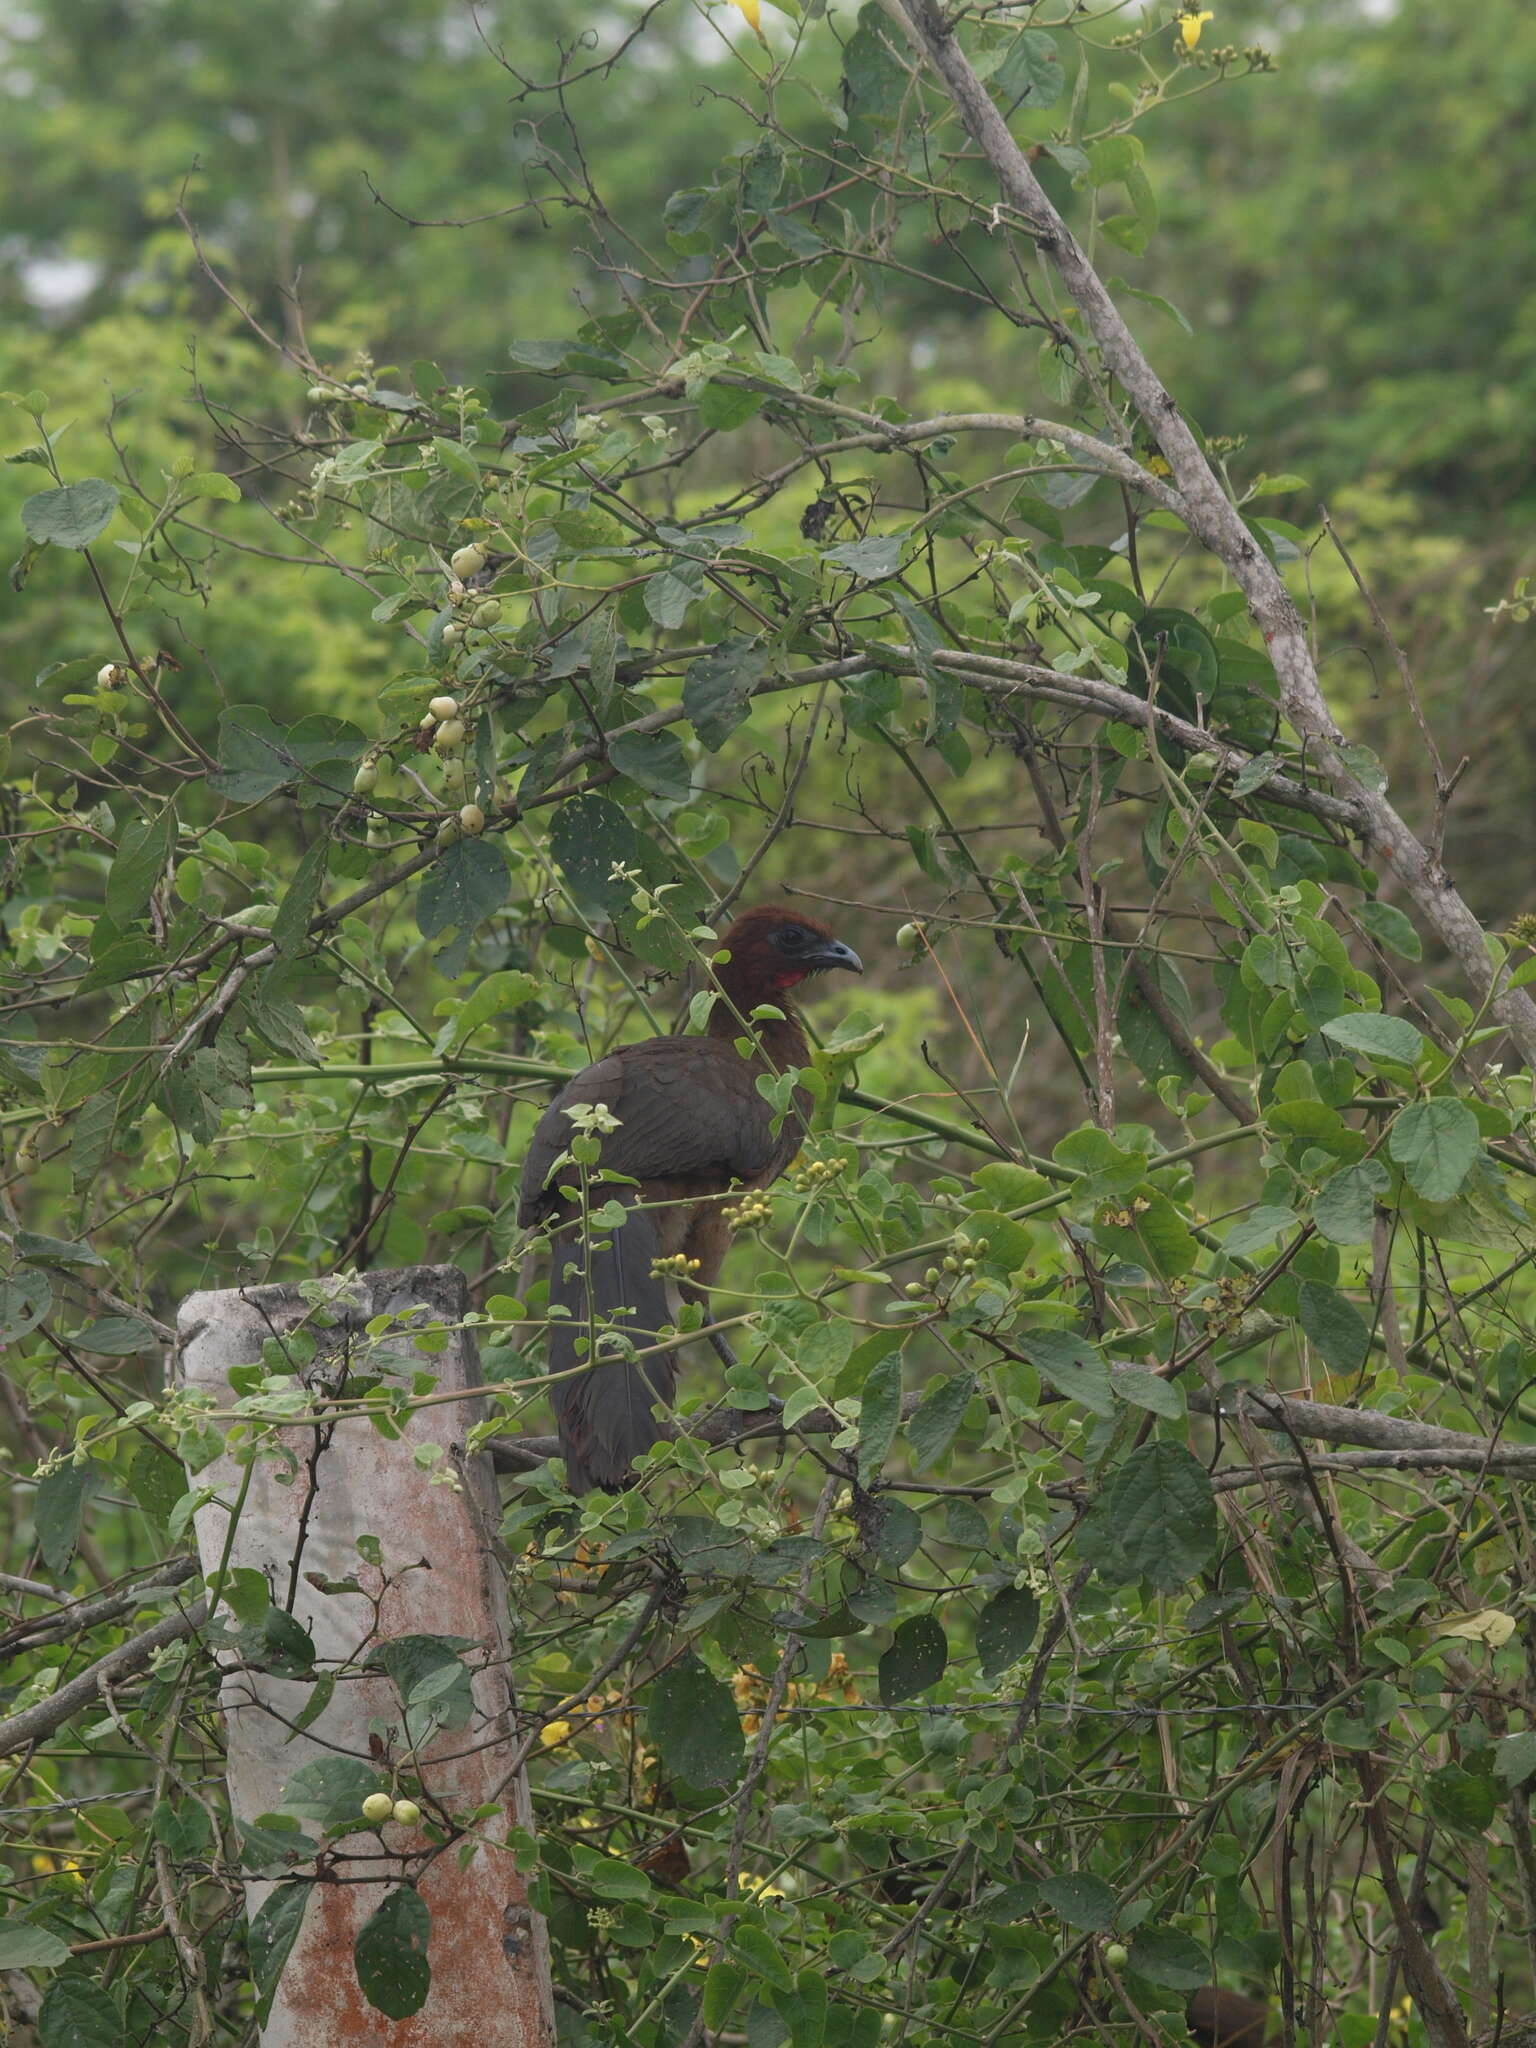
{"type": "Point", "coordinates": [1005, 1628]}
{"type": "Point", "coordinates": [77, 2013]}
{"type": "Point", "coordinates": [1334, 1325]}
{"type": "Point", "coordinates": [669, 593]}
{"type": "Point", "coordinates": [1083, 1901]}
{"type": "Point", "coordinates": [876, 79]}
{"type": "Point", "coordinates": [872, 559]}
{"type": "Point", "coordinates": [1435, 1143]}
{"type": "Point", "coordinates": [390, 1954]}
{"type": "Point", "coordinates": [210, 483]}
{"type": "Point", "coordinates": [725, 406]}
{"type": "Point", "coordinates": [432, 1679]}
{"type": "Point", "coordinates": [656, 761]}
{"type": "Point", "coordinates": [1514, 1757]}
{"type": "Point", "coordinates": [1262, 1226]}
{"type": "Point", "coordinates": [25, 1298]}
{"type": "Point", "coordinates": [915, 1660]}
{"type": "Point", "coordinates": [1344, 1207]}
{"type": "Point", "coordinates": [1146, 1390]}
{"type": "Point", "coordinates": [55, 1251]}
{"type": "Point", "coordinates": [939, 1414]}
{"type": "Point", "coordinates": [1072, 1366]}
{"type": "Point", "coordinates": [760, 1953]}
{"type": "Point", "coordinates": [879, 1414]}
{"type": "Point", "coordinates": [589, 838]}
{"type": "Point", "coordinates": [694, 1724]}
{"type": "Point", "coordinates": [156, 1481]}
{"type": "Point", "coordinates": [257, 757]}
{"type": "Point", "coordinates": [468, 881]}
{"type": "Point", "coordinates": [805, 2009]}
{"type": "Point", "coordinates": [1165, 1956]}
{"type": "Point", "coordinates": [145, 847]}
{"type": "Point", "coordinates": [25, 1947]}
{"type": "Point", "coordinates": [1378, 1036]}
{"type": "Point", "coordinates": [330, 1791]}
{"type": "Point", "coordinates": [497, 994]}
{"type": "Point", "coordinates": [722, 1987]}
{"type": "Point", "coordinates": [1155, 1519]}
{"type": "Point", "coordinates": [1464, 1800]}
{"type": "Point", "coordinates": [609, 1877]}
{"type": "Point", "coordinates": [718, 688]}
{"type": "Point", "coordinates": [290, 927]}
{"type": "Point", "coordinates": [271, 1936]}
{"type": "Point", "coordinates": [1254, 774]}
{"type": "Point", "coordinates": [185, 1829]}
{"type": "Point", "coordinates": [1031, 74]}
{"type": "Point", "coordinates": [72, 517]}
{"type": "Point", "coordinates": [58, 1508]}
{"type": "Point", "coordinates": [1390, 928]}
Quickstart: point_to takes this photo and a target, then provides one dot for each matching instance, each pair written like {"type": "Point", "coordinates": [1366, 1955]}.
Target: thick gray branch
{"type": "Point", "coordinates": [34, 1724]}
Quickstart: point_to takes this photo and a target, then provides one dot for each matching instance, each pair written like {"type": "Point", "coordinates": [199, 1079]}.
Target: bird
{"type": "Point", "coordinates": [1218, 2018]}
{"type": "Point", "coordinates": [692, 1129]}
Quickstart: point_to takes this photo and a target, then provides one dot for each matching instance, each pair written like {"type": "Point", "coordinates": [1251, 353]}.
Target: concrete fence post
{"type": "Point", "coordinates": [435, 1574]}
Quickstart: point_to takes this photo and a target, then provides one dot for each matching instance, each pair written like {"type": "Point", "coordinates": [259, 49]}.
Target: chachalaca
{"type": "Point", "coordinates": [1219, 2018]}
{"type": "Point", "coordinates": [692, 1130]}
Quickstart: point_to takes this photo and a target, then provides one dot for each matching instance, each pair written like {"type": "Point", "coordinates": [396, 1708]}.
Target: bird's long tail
{"type": "Point", "coordinates": [605, 1406]}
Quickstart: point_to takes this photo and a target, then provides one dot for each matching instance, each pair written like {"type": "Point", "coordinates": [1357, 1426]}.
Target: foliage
{"type": "Point", "coordinates": [1032, 1673]}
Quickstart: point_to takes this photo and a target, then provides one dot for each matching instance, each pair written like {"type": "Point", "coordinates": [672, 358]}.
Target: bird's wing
{"type": "Point", "coordinates": [686, 1108]}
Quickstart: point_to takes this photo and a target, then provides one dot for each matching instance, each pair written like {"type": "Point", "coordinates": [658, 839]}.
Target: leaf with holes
{"type": "Point", "coordinates": [467, 882]}
{"type": "Point", "coordinates": [390, 1954]}
{"type": "Point", "coordinates": [915, 1661]}
{"type": "Point", "coordinates": [718, 688]}
{"type": "Point", "coordinates": [1005, 1628]}
{"type": "Point", "coordinates": [692, 1720]}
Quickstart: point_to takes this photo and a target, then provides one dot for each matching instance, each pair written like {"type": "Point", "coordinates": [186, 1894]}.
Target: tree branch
{"type": "Point", "coordinates": [1216, 522]}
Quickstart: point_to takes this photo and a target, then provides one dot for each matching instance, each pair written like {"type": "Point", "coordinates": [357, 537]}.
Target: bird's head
{"type": "Point", "coordinates": [773, 951]}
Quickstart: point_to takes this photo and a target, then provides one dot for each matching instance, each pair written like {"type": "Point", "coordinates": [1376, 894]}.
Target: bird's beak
{"type": "Point", "coordinates": [833, 953]}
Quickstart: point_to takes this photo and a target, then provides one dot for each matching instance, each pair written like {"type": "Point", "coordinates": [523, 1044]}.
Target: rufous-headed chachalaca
{"type": "Point", "coordinates": [692, 1128]}
{"type": "Point", "coordinates": [1219, 2018]}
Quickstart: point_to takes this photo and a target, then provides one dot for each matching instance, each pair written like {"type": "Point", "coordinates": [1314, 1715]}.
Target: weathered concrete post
{"type": "Point", "coordinates": [299, 1525]}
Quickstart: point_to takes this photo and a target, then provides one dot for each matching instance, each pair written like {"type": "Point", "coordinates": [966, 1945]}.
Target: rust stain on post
{"type": "Point", "coordinates": [489, 1952]}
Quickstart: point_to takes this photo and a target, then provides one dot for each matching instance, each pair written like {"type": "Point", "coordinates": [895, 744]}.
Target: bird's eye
{"type": "Point", "coordinates": [791, 938]}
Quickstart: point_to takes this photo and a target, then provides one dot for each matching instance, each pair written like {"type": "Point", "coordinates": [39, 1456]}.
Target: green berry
{"type": "Point", "coordinates": [378, 1806]}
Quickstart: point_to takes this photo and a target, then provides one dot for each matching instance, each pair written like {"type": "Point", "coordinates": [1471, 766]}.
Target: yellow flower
{"type": "Point", "coordinates": [553, 1732]}
{"type": "Point", "coordinates": [751, 12]}
{"type": "Point", "coordinates": [1190, 25]}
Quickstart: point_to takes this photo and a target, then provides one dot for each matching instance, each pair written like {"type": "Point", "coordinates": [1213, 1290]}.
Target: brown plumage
{"type": "Point", "coordinates": [692, 1127]}
{"type": "Point", "coordinates": [1219, 2018]}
